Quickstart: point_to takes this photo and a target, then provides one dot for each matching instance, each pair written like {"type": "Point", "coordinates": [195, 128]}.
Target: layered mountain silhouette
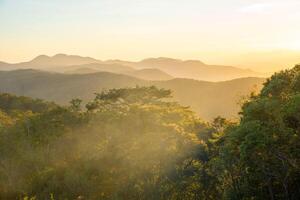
{"type": "Point", "coordinates": [195, 69]}
{"type": "Point", "coordinates": [59, 60]}
{"type": "Point", "coordinates": [150, 74]}
{"type": "Point", "coordinates": [150, 69]}
{"type": "Point", "coordinates": [208, 89]}
{"type": "Point", "coordinates": [208, 99]}
{"type": "Point", "coordinates": [96, 67]}
{"type": "Point", "coordinates": [147, 74]}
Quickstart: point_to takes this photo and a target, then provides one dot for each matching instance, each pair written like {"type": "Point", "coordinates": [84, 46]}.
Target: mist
{"type": "Point", "coordinates": [127, 145]}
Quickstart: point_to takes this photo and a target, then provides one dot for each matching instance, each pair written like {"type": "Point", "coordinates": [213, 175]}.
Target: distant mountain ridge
{"type": "Point", "coordinates": [150, 74]}
{"type": "Point", "coordinates": [208, 99]}
{"type": "Point", "coordinates": [195, 69]}
{"type": "Point", "coordinates": [192, 69]}
{"type": "Point", "coordinates": [61, 60]}
{"type": "Point", "coordinates": [146, 74]}
{"type": "Point", "coordinates": [114, 68]}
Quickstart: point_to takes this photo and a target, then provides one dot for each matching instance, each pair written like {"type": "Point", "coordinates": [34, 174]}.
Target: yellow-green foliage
{"type": "Point", "coordinates": [128, 144]}
{"type": "Point", "coordinates": [135, 143]}
{"type": "Point", "coordinates": [5, 120]}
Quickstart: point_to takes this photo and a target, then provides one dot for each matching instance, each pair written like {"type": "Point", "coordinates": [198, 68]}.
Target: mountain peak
{"type": "Point", "coordinates": [194, 62]}
{"type": "Point", "coordinates": [40, 58]}
{"type": "Point", "coordinates": [3, 63]}
{"type": "Point", "coordinates": [62, 60]}
{"type": "Point", "coordinates": [60, 55]}
{"type": "Point", "coordinates": [167, 60]}
{"type": "Point", "coordinates": [161, 59]}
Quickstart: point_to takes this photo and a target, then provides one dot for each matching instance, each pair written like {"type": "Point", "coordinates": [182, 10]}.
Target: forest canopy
{"type": "Point", "coordinates": [135, 143]}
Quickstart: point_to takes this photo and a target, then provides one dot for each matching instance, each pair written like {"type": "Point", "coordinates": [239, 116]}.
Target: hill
{"type": "Point", "coordinates": [150, 74]}
{"type": "Point", "coordinates": [195, 69]}
{"type": "Point", "coordinates": [58, 60]}
{"type": "Point", "coordinates": [146, 74]}
{"type": "Point", "coordinates": [95, 67]}
{"type": "Point", "coordinates": [192, 69]}
{"type": "Point", "coordinates": [209, 99]}
{"type": "Point", "coordinates": [82, 70]}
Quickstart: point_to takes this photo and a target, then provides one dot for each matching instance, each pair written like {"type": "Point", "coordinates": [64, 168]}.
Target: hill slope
{"type": "Point", "coordinates": [98, 67]}
{"type": "Point", "coordinates": [192, 69]}
{"type": "Point", "coordinates": [150, 74]}
{"type": "Point", "coordinates": [211, 99]}
{"type": "Point", "coordinates": [58, 60]}
{"type": "Point", "coordinates": [206, 98]}
{"type": "Point", "coordinates": [146, 74]}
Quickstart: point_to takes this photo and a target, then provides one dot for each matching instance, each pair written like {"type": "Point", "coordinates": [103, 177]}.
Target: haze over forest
{"type": "Point", "coordinates": [204, 87]}
{"type": "Point", "coordinates": [149, 100]}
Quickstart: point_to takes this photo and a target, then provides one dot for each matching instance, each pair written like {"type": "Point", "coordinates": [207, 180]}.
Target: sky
{"type": "Point", "coordinates": [248, 33]}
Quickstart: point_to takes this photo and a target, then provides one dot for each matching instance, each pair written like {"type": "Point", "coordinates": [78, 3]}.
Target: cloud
{"type": "Point", "coordinates": [271, 6]}
{"type": "Point", "coordinates": [257, 8]}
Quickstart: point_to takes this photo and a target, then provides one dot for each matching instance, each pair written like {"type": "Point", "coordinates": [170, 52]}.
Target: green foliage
{"type": "Point", "coordinates": [75, 104]}
{"type": "Point", "coordinates": [263, 149]}
{"type": "Point", "coordinates": [5, 120]}
{"type": "Point", "coordinates": [133, 143]}
{"type": "Point", "coordinates": [10, 103]}
{"type": "Point", "coordinates": [133, 95]}
{"type": "Point", "coordinates": [208, 99]}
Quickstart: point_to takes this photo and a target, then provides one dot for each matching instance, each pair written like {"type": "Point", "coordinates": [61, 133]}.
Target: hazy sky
{"type": "Point", "coordinates": [210, 30]}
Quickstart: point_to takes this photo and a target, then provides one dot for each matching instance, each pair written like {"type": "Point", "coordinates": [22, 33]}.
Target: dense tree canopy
{"type": "Point", "coordinates": [134, 143]}
{"type": "Point", "coordinates": [264, 149]}
{"type": "Point", "coordinates": [128, 144]}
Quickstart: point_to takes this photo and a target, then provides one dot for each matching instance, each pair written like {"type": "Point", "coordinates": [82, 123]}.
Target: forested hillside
{"type": "Point", "coordinates": [134, 143]}
{"type": "Point", "coordinates": [205, 98]}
